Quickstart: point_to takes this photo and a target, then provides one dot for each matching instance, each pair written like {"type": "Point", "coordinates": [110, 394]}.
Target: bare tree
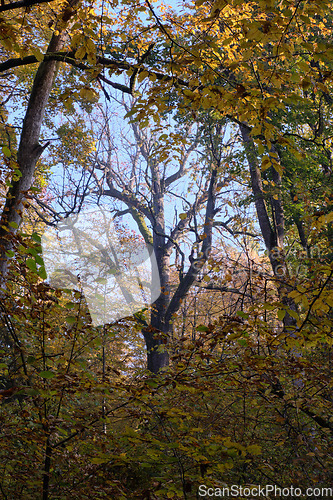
{"type": "Point", "coordinates": [152, 175]}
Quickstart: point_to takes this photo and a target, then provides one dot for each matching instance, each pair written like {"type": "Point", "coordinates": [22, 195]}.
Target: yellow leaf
{"type": "Point", "coordinates": [37, 53]}
{"type": "Point", "coordinates": [254, 449]}
{"type": "Point", "coordinates": [293, 314]}
{"type": "Point", "coordinates": [99, 460]}
{"type": "Point", "coordinates": [80, 53]}
{"type": "Point", "coordinates": [87, 93]}
{"type": "Point", "coordinates": [261, 149]}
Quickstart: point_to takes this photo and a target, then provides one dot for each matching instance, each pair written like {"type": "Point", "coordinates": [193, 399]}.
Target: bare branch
{"type": "Point", "coordinates": [129, 199]}
{"type": "Point", "coordinates": [196, 264]}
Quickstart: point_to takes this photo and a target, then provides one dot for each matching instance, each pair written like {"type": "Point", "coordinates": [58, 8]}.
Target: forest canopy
{"type": "Point", "coordinates": [194, 138]}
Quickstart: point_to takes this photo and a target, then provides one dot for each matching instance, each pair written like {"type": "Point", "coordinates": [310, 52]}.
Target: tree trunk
{"type": "Point", "coordinates": [273, 234]}
{"type": "Point", "coordinates": [164, 308]}
{"type": "Point", "coordinates": [157, 334]}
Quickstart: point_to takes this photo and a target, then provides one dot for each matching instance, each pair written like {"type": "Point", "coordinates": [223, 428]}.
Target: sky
{"type": "Point", "coordinates": [174, 205]}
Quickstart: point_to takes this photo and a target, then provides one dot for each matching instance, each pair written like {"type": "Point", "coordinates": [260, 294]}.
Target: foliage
{"type": "Point", "coordinates": [246, 398]}
{"type": "Point", "coordinates": [228, 410]}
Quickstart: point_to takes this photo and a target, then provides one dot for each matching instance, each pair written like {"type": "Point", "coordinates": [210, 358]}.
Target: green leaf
{"type": "Point", "coordinates": [10, 253]}
{"type": "Point", "coordinates": [242, 314]}
{"type": "Point", "coordinates": [39, 260]}
{"type": "Point", "coordinates": [268, 307]}
{"type": "Point", "coordinates": [36, 238]}
{"type": "Point", "coordinates": [30, 391]}
{"type": "Point", "coordinates": [99, 460]}
{"type": "Point", "coordinates": [281, 314]}
{"type": "Point", "coordinates": [202, 328]}
{"type": "Point", "coordinates": [6, 151]}
{"type": "Point", "coordinates": [13, 224]}
{"type": "Point", "coordinates": [46, 374]}
{"type": "Point", "coordinates": [42, 273]}
{"type": "Point", "coordinates": [293, 314]}
{"type": "Point", "coordinates": [18, 174]}
{"type": "Point", "coordinates": [70, 305]}
{"type": "Point", "coordinates": [103, 281]}
{"type": "Point", "coordinates": [37, 53]}
{"type": "Point", "coordinates": [71, 320]}
{"type": "Point", "coordinates": [152, 383]}
{"type": "Point", "coordinates": [31, 264]}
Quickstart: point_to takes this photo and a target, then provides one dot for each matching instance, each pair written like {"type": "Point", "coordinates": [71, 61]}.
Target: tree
{"type": "Point", "coordinates": [142, 182]}
{"type": "Point", "coordinates": [29, 149]}
{"type": "Point", "coordinates": [246, 399]}
{"type": "Point", "coordinates": [249, 80]}
{"type": "Point", "coordinates": [59, 39]}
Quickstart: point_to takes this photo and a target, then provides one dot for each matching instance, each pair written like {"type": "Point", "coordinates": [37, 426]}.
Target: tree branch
{"type": "Point", "coordinates": [197, 264]}
{"type": "Point", "coordinates": [129, 199]}
{"type": "Point", "coordinates": [22, 3]}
